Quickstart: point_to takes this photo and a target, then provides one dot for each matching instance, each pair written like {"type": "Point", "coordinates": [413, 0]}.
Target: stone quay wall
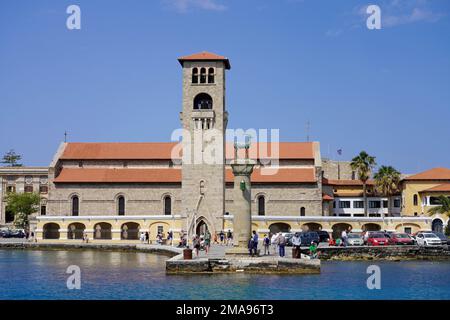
{"type": "Point", "coordinates": [395, 253]}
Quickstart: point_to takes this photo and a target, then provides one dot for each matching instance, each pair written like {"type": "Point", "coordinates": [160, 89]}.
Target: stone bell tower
{"type": "Point", "coordinates": [204, 121]}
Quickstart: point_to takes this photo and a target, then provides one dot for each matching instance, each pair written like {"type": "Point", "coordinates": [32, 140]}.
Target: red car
{"type": "Point", "coordinates": [401, 238]}
{"type": "Point", "coordinates": [377, 239]}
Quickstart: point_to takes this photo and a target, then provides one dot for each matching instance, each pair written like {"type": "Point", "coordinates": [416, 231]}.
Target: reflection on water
{"type": "Point", "coordinates": [123, 275]}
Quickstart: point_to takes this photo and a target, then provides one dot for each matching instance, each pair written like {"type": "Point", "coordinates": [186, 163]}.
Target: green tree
{"type": "Point", "coordinates": [363, 164]}
{"type": "Point", "coordinates": [387, 181]}
{"type": "Point", "coordinates": [11, 159]}
{"type": "Point", "coordinates": [21, 206]}
{"type": "Point", "coordinates": [442, 208]}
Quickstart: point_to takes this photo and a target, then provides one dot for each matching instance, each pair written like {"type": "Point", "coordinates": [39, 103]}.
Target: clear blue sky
{"type": "Point", "coordinates": [117, 79]}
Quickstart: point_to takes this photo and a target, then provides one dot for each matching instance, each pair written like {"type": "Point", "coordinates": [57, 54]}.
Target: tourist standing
{"type": "Point", "coordinates": [222, 237]}
{"type": "Point", "coordinates": [170, 237]}
{"type": "Point", "coordinates": [312, 250]}
{"type": "Point", "coordinates": [216, 241]}
{"type": "Point", "coordinates": [344, 237]}
{"type": "Point", "coordinates": [281, 241]}
{"type": "Point", "coordinates": [147, 237]}
{"type": "Point", "coordinates": [255, 243]}
{"type": "Point", "coordinates": [207, 241]}
{"type": "Point", "coordinates": [229, 237]}
{"type": "Point", "coordinates": [296, 243]}
{"type": "Point", "coordinates": [266, 243]}
{"type": "Point", "coordinates": [273, 241]}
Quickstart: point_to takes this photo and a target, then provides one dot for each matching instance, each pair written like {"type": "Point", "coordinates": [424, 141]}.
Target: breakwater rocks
{"type": "Point", "coordinates": [394, 253]}
{"type": "Point", "coordinates": [261, 265]}
{"type": "Point", "coordinates": [158, 249]}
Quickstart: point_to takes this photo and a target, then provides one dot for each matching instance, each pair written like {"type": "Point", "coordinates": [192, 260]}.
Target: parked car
{"type": "Point", "coordinates": [377, 239]}
{"type": "Point", "coordinates": [428, 239]}
{"type": "Point", "coordinates": [288, 236]}
{"type": "Point", "coordinates": [354, 239]}
{"type": "Point", "coordinates": [17, 233]}
{"type": "Point", "coordinates": [443, 237]}
{"type": "Point", "coordinates": [323, 236]}
{"type": "Point", "coordinates": [401, 239]}
{"type": "Point", "coordinates": [308, 237]}
{"type": "Point", "coordinates": [5, 233]}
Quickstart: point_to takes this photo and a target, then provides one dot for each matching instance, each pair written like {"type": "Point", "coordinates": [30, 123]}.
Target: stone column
{"type": "Point", "coordinates": [242, 214]}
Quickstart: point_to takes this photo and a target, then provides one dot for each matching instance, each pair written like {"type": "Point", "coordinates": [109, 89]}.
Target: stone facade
{"type": "Point", "coordinates": [22, 179]}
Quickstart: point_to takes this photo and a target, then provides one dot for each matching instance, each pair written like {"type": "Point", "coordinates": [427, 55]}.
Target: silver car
{"type": "Point", "coordinates": [354, 239]}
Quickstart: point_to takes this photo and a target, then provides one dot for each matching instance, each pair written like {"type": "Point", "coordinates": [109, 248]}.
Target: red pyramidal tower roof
{"type": "Point", "coordinates": [205, 56]}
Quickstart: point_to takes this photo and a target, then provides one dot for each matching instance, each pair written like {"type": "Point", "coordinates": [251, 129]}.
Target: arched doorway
{"type": "Point", "coordinates": [312, 226]}
{"type": "Point", "coordinates": [338, 228]}
{"type": "Point", "coordinates": [371, 227]}
{"type": "Point", "coordinates": [129, 231]}
{"type": "Point", "coordinates": [75, 231]}
{"type": "Point", "coordinates": [51, 231]}
{"type": "Point", "coordinates": [437, 226]}
{"type": "Point", "coordinates": [102, 231]}
{"type": "Point", "coordinates": [201, 228]}
{"type": "Point", "coordinates": [279, 227]}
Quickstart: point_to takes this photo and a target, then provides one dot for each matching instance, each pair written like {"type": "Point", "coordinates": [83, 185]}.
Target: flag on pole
{"type": "Point", "coordinates": [339, 152]}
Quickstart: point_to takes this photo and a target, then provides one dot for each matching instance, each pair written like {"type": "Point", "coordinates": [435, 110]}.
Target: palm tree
{"type": "Point", "coordinates": [363, 165]}
{"type": "Point", "coordinates": [443, 208]}
{"type": "Point", "coordinates": [387, 182]}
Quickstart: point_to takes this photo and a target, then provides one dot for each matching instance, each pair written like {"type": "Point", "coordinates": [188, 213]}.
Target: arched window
{"type": "Point", "coordinates": [75, 206]}
{"type": "Point", "coordinates": [195, 75]}
{"type": "Point", "coordinates": [203, 101]}
{"type": "Point", "coordinates": [211, 75]}
{"type": "Point", "coordinates": [261, 205]}
{"type": "Point", "coordinates": [302, 211]}
{"type": "Point", "coordinates": [203, 75]}
{"type": "Point", "coordinates": [415, 200]}
{"type": "Point", "coordinates": [121, 206]}
{"type": "Point", "coordinates": [167, 205]}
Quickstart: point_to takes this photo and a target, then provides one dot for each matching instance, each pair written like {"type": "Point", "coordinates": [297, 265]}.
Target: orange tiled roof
{"type": "Point", "coordinates": [346, 182]}
{"type": "Point", "coordinates": [163, 150]}
{"type": "Point", "coordinates": [432, 174]}
{"type": "Point", "coordinates": [205, 56]}
{"type": "Point", "coordinates": [282, 175]}
{"type": "Point", "coordinates": [327, 197]}
{"type": "Point", "coordinates": [166, 175]}
{"type": "Point", "coordinates": [440, 188]}
{"type": "Point", "coordinates": [69, 175]}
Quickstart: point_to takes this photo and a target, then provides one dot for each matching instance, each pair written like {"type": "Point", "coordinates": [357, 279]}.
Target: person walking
{"type": "Point", "coordinates": [147, 237]}
{"type": "Point", "coordinates": [196, 244]}
{"type": "Point", "coordinates": [281, 241]}
{"type": "Point", "coordinates": [207, 241]}
{"type": "Point", "coordinates": [266, 243]}
{"type": "Point", "coordinates": [229, 237]}
{"type": "Point", "coordinates": [296, 243]}
{"type": "Point", "coordinates": [216, 241]}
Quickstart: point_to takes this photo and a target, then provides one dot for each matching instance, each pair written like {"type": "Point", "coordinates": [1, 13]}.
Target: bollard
{"type": "Point", "coordinates": [187, 254]}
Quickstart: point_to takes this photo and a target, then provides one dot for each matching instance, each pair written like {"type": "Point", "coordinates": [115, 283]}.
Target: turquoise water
{"type": "Point", "coordinates": [120, 275]}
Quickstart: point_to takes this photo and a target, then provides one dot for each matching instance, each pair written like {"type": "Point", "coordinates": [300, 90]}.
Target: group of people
{"type": "Point", "coordinates": [223, 238]}
{"type": "Point", "coordinates": [202, 242]}
{"type": "Point", "coordinates": [278, 242]}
